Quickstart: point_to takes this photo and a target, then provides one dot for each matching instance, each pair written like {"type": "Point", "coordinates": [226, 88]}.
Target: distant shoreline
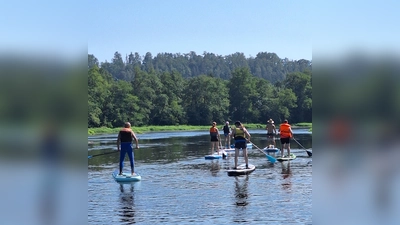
{"type": "Point", "coordinates": [145, 129]}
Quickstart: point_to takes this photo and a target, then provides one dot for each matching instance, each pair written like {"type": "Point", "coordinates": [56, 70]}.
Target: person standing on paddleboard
{"type": "Point", "coordinates": [124, 145]}
{"type": "Point", "coordinates": [241, 136]}
{"type": "Point", "coordinates": [286, 133]}
{"type": "Point", "coordinates": [227, 133]}
{"type": "Point", "coordinates": [214, 133]}
{"type": "Point", "coordinates": [271, 132]}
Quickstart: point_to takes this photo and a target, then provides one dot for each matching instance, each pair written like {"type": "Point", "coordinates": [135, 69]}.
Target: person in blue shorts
{"type": "Point", "coordinates": [241, 136]}
{"type": "Point", "coordinates": [124, 145]}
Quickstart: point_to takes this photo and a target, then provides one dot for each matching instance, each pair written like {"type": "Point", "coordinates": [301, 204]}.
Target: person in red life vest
{"type": "Point", "coordinates": [214, 133]}
{"type": "Point", "coordinates": [241, 136]}
{"type": "Point", "coordinates": [124, 145]}
{"type": "Point", "coordinates": [286, 133]}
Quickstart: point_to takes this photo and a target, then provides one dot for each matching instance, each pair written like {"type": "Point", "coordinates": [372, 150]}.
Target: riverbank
{"type": "Point", "coordinates": [145, 129]}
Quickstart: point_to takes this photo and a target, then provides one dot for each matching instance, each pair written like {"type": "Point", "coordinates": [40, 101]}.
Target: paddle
{"type": "Point", "coordinates": [308, 152]}
{"type": "Point", "coordinates": [91, 156]}
{"type": "Point", "coordinates": [270, 158]}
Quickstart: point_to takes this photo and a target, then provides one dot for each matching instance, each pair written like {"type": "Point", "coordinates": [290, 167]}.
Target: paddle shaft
{"type": "Point", "coordinates": [270, 158]}
{"type": "Point", "coordinates": [308, 152]}
{"type": "Point", "coordinates": [91, 156]}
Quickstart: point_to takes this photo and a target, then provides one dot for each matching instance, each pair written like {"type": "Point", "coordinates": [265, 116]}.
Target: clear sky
{"type": "Point", "coordinates": [222, 27]}
{"type": "Point", "coordinates": [291, 29]}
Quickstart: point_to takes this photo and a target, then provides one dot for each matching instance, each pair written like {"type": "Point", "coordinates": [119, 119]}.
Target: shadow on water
{"type": "Point", "coordinates": [215, 167]}
{"type": "Point", "coordinates": [127, 203]}
{"type": "Point", "coordinates": [241, 194]}
{"type": "Point", "coordinates": [179, 186]}
{"type": "Point", "coordinates": [241, 199]}
{"type": "Point", "coordinates": [286, 175]}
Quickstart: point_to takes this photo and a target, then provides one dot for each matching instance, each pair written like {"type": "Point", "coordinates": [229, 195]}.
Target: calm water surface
{"type": "Point", "coordinates": [179, 186]}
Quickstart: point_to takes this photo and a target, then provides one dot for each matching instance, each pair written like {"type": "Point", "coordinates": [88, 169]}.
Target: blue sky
{"type": "Point", "coordinates": [291, 29]}
{"type": "Point", "coordinates": [179, 26]}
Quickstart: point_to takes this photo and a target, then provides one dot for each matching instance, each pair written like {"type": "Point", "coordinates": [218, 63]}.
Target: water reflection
{"type": "Point", "coordinates": [215, 167]}
{"type": "Point", "coordinates": [200, 191]}
{"type": "Point", "coordinates": [241, 188]}
{"type": "Point", "coordinates": [127, 212]}
{"type": "Point", "coordinates": [286, 175]}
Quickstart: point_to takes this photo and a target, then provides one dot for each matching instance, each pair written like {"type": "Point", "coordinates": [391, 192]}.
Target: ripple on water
{"type": "Point", "coordinates": [193, 190]}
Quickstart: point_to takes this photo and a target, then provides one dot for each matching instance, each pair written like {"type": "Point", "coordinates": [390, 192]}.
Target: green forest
{"type": "Point", "coordinates": [191, 89]}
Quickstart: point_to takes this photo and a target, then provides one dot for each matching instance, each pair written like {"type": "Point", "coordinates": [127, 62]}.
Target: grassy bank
{"type": "Point", "coordinates": [145, 129]}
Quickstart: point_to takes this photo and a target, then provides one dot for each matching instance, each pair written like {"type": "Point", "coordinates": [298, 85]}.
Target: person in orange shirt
{"type": "Point", "coordinates": [214, 133]}
{"type": "Point", "coordinates": [286, 133]}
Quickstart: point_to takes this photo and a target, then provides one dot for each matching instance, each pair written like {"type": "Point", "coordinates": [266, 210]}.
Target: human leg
{"type": "Point", "coordinates": [121, 160]}
{"type": "Point", "coordinates": [229, 141]}
{"type": "Point", "coordinates": [131, 159]}
{"type": "Point", "coordinates": [273, 141]}
{"type": "Point", "coordinates": [246, 158]}
{"type": "Point", "coordinates": [236, 157]}
{"type": "Point", "coordinates": [282, 146]}
{"type": "Point", "coordinates": [226, 141]}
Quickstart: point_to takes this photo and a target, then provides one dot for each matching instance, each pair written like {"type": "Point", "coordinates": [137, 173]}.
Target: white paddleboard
{"type": "Point", "coordinates": [285, 158]}
{"type": "Point", "coordinates": [249, 145]}
{"type": "Point", "coordinates": [241, 170]}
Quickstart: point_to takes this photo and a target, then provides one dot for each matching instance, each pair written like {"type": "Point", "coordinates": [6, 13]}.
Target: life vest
{"type": "Point", "coordinates": [285, 130]}
{"type": "Point", "coordinates": [213, 131]}
{"type": "Point", "coordinates": [239, 134]}
{"type": "Point", "coordinates": [226, 129]}
{"type": "Point", "coordinates": [126, 135]}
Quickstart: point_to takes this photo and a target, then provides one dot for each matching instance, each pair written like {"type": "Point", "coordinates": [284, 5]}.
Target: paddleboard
{"type": "Point", "coordinates": [126, 177]}
{"type": "Point", "coordinates": [249, 145]}
{"type": "Point", "coordinates": [272, 150]}
{"type": "Point", "coordinates": [222, 154]}
{"type": "Point", "coordinates": [241, 170]}
{"type": "Point", "coordinates": [285, 158]}
{"type": "Point", "coordinates": [229, 149]}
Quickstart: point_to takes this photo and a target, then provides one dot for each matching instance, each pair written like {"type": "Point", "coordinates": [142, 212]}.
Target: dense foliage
{"type": "Point", "coordinates": [172, 89]}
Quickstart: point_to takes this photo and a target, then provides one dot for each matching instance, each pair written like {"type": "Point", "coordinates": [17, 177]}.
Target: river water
{"type": "Point", "coordinates": [179, 186]}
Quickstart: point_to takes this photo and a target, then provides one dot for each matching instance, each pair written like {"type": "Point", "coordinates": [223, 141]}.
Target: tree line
{"type": "Point", "coordinates": [265, 65]}
{"type": "Point", "coordinates": [144, 92]}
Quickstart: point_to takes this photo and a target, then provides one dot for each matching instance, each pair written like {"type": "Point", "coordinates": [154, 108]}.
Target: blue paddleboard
{"type": "Point", "coordinates": [222, 154]}
{"type": "Point", "coordinates": [270, 150]}
{"type": "Point", "coordinates": [126, 177]}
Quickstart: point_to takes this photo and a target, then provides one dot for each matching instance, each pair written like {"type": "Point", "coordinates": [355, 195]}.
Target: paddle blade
{"type": "Point", "coordinates": [270, 158]}
{"type": "Point", "coordinates": [89, 157]}
{"type": "Point", "coordinates": [309, 153]}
